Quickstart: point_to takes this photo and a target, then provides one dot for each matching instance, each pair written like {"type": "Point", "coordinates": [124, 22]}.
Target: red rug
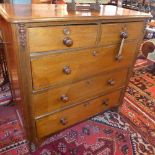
{"type": "Point", "coordinates": [139, 102]}
{"type": "Point", "coordinates": [12, 139]}
{"type": "Point", "coordinates": [105, 134]}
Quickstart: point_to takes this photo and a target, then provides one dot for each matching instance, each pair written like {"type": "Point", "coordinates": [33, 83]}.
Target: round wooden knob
{"type": "Point", "coordinates": [64, 98]}
{"type": "Point", "coordinates": [111, 82]}
{"type": "Point", "coordinates": [68, 41]}
{"type": "Point", "coordinates": [105, 102]}
{"type": "Point", "coordinates": [67, 70]}
{"type": "Point", "coordinates": [124, 35]}
{"type": "Point", "coordinates": [63, 121]}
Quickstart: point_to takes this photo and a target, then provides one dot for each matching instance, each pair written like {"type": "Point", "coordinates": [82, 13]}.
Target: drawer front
{"type": "Point", "coordinates": [77, 92]}
{"type": "Point", "coordinates": [61, 37]}
{"type": "Point", "coordinates": [65, 67]}
{"type": "Point", "coordinates": [111, 33]}
{"type": "Point", "coordinates": [53, 123]}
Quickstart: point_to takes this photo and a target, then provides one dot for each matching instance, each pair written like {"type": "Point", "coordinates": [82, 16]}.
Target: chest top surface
{"type": "Point", "coordinates": [51, 12]}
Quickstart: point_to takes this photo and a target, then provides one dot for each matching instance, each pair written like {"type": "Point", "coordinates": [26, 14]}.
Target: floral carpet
{"type": "Point", "coordinates": [129, 131]}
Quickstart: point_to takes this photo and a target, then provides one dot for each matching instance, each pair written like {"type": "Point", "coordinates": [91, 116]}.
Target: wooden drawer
{"type": "Point", "coordinates": [53, 123]}
{"type": "Point", "coordinates": [58, 98]}
{"type": "Point", "coordinates": [111, 32]}
{"type": "Point", "coordinates": [60, 68]}
{"type": "Point", "coordinates": [52, 38]}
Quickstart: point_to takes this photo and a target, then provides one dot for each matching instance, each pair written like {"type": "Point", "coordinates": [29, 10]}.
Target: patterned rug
{"type": "Point", "coordinates": [5, 94]}
{"type": "Point", "coordinates": [129, 132]}
{"type": "Point", "coordinates": [12, 139]}
{"type": "Point", "coordinates": [139, 102]}
{"type": "Point", "coordinates": [105, 134]}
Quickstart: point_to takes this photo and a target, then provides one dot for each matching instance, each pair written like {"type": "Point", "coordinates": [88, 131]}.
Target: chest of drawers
{"type": "Point", "coordinates": [66, 67]}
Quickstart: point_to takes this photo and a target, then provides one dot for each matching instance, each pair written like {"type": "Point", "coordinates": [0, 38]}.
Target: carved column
{"type": "Point", "coordinates": [22, 36]}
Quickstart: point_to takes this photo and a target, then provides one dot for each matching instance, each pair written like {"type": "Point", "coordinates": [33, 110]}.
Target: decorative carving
{"type": "Point", "coordinates": [22, 35]}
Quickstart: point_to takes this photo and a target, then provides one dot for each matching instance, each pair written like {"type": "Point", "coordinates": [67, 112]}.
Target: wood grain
{"type": "Point", "coordinates": [83, 63]}
{"type": "Point", "coordinates": [51, 124]}
{"type": "Point", "coordinates": [58, 12]}
{"type": "Point", "coordinates": [111, 32]}
{"type": "Point", "coordinates": [51, 38]}
{"type": "Point", "coordinates": [50, 100]}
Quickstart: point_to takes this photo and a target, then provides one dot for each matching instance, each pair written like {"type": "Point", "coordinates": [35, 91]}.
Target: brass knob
{"type": "Point", "coordinates": [94, 53]}
{"type": "Point", "coordinates": [67, 70]}
{"type": "Point", "coordinates": [66, 31]}
{"type": "Point", "coordinates": [111, 82]}
{"type": "Point", "coordinates": [105, 102]}
{"type": "Point", "coordinates": [64, 98]}
{"type": "Point", "coordinates": [68, 41]}
{"type": "Point", "coordinates": [63, 121]}
{"type": "Point", "coordinates": [124, 35]}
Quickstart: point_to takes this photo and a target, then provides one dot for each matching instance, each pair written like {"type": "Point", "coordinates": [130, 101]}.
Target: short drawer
{"type": "Point", "coordinates": [60, 68]}
{"type": "Point", "coordinates": [111, 33]}
{"type": "Point", "coordinates": [61, 97]}
{"type": "Point", "coordinates": [61, 37]}
{"type": "Point", "coordinates": [58, 121]}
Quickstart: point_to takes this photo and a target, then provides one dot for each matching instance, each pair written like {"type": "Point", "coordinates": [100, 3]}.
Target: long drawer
{"type": "Point", "coordinates": [111, 33]}
{"type": "Point", "coordinates": [57, 98]}
{"type": "Point", "coordinates": [61, 37]}
{"type": "Point", "coordinates": [60, 68]}
{"type": "Point", "coordinates": [61, 120]}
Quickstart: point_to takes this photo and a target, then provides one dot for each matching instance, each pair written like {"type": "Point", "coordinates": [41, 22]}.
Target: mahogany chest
{"type": "Point", "coordinates": [66, 67]}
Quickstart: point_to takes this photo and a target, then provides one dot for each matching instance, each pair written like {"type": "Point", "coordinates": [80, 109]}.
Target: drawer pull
{"type": "Point", "coordinates": [68, 41]}
{"type": "Point", "coordinates": [64, 98]}
{"type": "Point", "coordinates": [105, 102]}
{"type": "Point", "coordinates": [67, 70]}
{"type": "Point", "coordinates": [123, 36]}
{"type": "Point", "coordinates": [66, 31]}
{"type": "Point", "coordinates": [94, 53]}
{"type": "Point", "coordinates": [111, 82]}
{"type": "Point", "coordinates": [63, 121]}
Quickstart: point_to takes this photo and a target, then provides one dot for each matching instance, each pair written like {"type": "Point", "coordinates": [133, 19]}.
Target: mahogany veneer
{"type": "Point", "coordinates": [65, 66]}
